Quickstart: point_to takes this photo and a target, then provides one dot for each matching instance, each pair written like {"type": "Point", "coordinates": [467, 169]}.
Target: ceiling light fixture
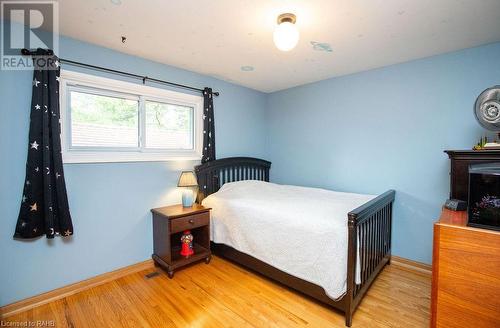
{"type": "Point", "coordinates": [286, 34]}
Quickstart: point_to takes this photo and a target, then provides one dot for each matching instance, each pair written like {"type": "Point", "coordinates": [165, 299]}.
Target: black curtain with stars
{"type": "Point", "coordinates": [208, 126]}
{"type": "Point", "coordinates": [44, 206]}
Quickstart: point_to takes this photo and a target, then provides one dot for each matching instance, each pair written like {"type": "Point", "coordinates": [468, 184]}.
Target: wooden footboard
{"type": "Point", "coordinates": [369, 227]}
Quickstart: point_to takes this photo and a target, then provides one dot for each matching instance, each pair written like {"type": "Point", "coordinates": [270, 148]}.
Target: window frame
{"type": "Point", "coordinates": [75, 81]}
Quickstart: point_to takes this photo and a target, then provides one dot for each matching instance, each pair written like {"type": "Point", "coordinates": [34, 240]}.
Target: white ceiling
{"type": "Point", "coordinates": [218, 37]}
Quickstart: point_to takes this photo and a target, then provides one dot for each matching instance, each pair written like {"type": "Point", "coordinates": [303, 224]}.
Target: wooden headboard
{"type": "Point", "coordinates": [212, 175]}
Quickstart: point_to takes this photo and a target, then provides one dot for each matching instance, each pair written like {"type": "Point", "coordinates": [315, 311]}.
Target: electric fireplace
{"type": "Point", "coordinates": [484, 195]}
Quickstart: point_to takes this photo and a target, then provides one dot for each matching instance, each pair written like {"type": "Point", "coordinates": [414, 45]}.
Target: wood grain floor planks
{"type": "Point", "coordinates": [222, 294]}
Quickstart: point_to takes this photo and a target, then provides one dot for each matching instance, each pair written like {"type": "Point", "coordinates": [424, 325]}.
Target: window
{"type": "Point", "coordinates": [105, 120]}
{"type": "Point", "coordinates": [169, 126]}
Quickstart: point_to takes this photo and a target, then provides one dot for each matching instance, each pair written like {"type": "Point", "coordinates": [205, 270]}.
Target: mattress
{"type": "Point", "coordinates": [301, 231]}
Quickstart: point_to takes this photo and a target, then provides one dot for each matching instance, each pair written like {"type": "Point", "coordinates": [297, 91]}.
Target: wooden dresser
{"type": "Point", "coordinates": [465, 274]}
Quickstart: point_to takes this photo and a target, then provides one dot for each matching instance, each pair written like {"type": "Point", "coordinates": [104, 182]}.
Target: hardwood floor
{"type": "Point", "coordinates": [222, 294]}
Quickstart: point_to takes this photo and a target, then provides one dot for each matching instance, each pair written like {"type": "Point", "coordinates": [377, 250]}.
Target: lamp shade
{"type": "Point", "coordinates": [187, 179]}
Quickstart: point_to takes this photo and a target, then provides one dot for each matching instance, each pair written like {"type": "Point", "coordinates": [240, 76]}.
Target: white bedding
{"type": "Point", "coordinates": [301, 231]}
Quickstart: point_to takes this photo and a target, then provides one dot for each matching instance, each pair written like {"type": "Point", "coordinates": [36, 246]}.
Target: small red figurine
{"type": "Point", "coordinates": [187, 244]}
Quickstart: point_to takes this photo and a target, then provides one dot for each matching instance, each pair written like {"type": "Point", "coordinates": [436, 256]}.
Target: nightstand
{"type": "Point", "coordinates": [168, 225]}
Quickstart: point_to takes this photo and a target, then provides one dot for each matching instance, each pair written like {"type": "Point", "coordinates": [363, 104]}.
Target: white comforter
{"type": "Point", "coordinates": [301, 231]}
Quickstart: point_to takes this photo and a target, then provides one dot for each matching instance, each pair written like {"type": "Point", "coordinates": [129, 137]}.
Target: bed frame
{"type": "Point", "coordinates": [369, 224]}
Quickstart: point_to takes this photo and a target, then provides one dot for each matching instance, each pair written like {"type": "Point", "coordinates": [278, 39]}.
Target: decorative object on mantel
{"type": "Point", "coordinates": [481, 144]}
{"type": "Point", "coordinates": [487, 112]}
{"type": "Point", "coordinates": [187, 180]}
{"type": "Point", "coordinates": [44, 206]}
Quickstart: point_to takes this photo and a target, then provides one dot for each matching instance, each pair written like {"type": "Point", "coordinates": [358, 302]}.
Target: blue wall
{"type": "Point", "coordinates": [367, 132]}
{"type": "Point", "coordinates": [381, 129]}
{"type": "Point", "coordinates": [109, 202]}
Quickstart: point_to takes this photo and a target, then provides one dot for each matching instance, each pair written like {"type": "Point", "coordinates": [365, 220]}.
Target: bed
{"type": "Point", "coordinates": [245, 220]}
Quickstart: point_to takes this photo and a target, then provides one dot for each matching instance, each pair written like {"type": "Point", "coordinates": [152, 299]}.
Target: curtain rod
{"type": "Point", "coordinates": [27, 52]}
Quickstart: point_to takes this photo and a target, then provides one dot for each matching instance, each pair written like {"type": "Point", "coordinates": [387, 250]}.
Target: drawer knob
{"type": "Point", "coordinates": [191, 221]}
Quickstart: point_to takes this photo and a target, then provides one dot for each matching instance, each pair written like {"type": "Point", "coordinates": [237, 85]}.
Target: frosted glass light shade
{"type": "Point", "coordinates": [286, 36]}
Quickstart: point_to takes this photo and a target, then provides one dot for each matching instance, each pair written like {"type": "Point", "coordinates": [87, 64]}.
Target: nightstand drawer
{"type": "Point", "coordinates": [190, 222]}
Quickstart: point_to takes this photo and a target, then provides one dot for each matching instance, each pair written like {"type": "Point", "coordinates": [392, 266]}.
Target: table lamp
{"type": "Point", "coordinates": [187, 180]}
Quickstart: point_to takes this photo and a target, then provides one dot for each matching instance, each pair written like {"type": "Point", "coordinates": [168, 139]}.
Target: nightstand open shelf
{"type": "Point", "coordinates": [178, 260]}
{"type": "Point", "coordinates": [169, 223]}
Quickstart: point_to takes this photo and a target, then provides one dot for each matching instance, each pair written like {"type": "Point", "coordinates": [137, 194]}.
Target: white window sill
{"type": "Point", "coordinates": [119, 157]}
